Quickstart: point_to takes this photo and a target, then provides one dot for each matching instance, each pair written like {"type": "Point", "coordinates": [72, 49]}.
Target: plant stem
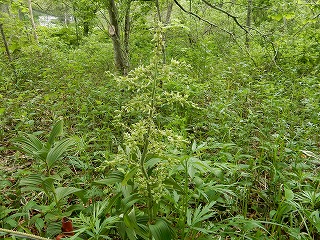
{"type": "Point", "coordinates": [185, 201]}
{"type": "Point", "coordinates": [145, 175]}
{"type": "Point", "coordinates": [21, 234]}
{"type": "Point", "coordinates": [145, 148]}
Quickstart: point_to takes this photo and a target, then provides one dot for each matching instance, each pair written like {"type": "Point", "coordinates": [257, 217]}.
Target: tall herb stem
{"type": "Point", "coordinates": [146, 176]}
{"type": "Point", "coordinates": [185, 200]}
{"type": "Point", "coordinates": [146, 144]}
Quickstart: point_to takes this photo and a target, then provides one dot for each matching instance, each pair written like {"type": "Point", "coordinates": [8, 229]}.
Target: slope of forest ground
{"type": "Point", "coordinates": [214, 144]}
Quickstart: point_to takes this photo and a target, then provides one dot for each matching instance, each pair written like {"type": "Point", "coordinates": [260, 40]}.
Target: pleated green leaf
{"type": "Point", "coordinates": [36, 182]}
{"type": "Point", "coordinates": [113, 177]}
{"type": "Point", "coordinates": [28, 144]}
{"type": "Point", "coordinates": [57, 151]}
{"type": "Point", "coordinates": [137, 224]}
{"type": "Point", "coordinates": [56, 131]}
{"type": "Point", "coordinates": [31, 180]}
{"type": "Point", "coordinates": [62, 192]}
{"type": "Point", "coordinates": [129, 175]}
{"type": "Point", "coordinates": [161, 230]}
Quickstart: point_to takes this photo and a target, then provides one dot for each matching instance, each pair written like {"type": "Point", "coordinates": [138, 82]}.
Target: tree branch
{"type": "Point", "coordinates": [304, 25]}
{"type": "Point", "coordinates": [235, 19]}
{"type": "Point", "coordinates": [202, 19]}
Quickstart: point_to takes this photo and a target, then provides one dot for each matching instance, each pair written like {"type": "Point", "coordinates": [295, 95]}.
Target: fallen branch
{"type": "Point", "coordinates": [21, 234]}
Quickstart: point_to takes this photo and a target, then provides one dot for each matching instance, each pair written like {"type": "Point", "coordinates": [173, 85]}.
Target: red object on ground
{"type": "Point", "coordinates": [67, 228]}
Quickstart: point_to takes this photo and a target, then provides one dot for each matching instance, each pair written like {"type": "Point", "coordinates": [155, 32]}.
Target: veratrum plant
{"type": "Point", "coordinates": [48, 153]}
{"type": "Point", "coordinates": [140, 158]}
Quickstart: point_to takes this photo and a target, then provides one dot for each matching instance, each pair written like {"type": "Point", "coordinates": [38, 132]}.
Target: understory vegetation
{"type": "Point", "coordinates": [219, 142]}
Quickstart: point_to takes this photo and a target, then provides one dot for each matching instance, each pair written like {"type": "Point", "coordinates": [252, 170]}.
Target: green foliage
{"type": "Point", "coordinates": [65, 35]}
{"type": "Point", "coordinates": [48, 153]}
{"type": "Point", "coordinates": [221, 143]}
{"type": "Point", "coordinates": [160, 230]}
{"type": "Point", "coordinates": [96, 225]}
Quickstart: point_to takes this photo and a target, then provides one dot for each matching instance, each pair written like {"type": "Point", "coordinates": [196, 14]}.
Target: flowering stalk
{"type": "Point", "coordinates": [147, 135]}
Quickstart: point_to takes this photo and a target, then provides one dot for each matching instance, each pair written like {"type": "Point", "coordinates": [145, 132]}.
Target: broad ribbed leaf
{"type": "Point", "coordinates": [129, 175]}
{"type": "Point", "coordinates": [31, 183]}
{"type": "Point", "coordinates": [172, 182]}
{"type": "Point", "coordinates": [130, 219]}
{"type": "Point", "coordinates": [48, 186]}
{"type": "Point", "coordinates": [42, 154]}
{"type": "Point", "coordinates": [197, 164]}
{"type": "Point", "coordinates": [82, 195]}
{"type": "Point", "coordinates": [129, 201]}
{"type": "Point", "coordinates": [62, 192]}
{"type": "Point", "coordinates": [194, 146]}
{"type": "Point", "coordinates": [161, 230]}
{"type": "Point", "coordinates": [28, 144]}
{"type": "Point", "coordinates": [56, 131]}
{"type": "Point", "coordinates": [57, 151]}
{"type": "Point", "coordinates": [114, 177]}
{"type": "Point", "coordinates": [152, 162]}
{"type": "Point", "coordinates": [31, 180]}
{"type": "Point", "coordinates": [288, 194]}
{"type": "Point", "coordinates": [36, 182]}
{"type": "Point", "coordinates": [113, 201]}
{"type": "Point", "coordinates": [125, 232]}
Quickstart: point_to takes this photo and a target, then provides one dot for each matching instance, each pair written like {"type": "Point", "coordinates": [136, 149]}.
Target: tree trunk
{"type": "Point", "coordinates": [76, 23]}
{"type": "Point", "coordinates": [5, 8]}
{"type": "Point", "coordinates": [126, 37]}
{"type": "Point", "coordinates": [5, 42]}
{"type": "Point", "coordinates": [8, 51]}
{"type": "Point", "coordinates": [169, 12]}
{"type": "Point", "coordinates": [158, 10]}
{"type": "Point", "coordinates": [34, 29]}
{"type": "Point", "coordinates": [248, 21]}
{"type": "Point", "coordinates": [66, 16]}
{"type": "Point", "coordinates": [114, 32]}
{"type": "Point", "coordinates": [86, 28]}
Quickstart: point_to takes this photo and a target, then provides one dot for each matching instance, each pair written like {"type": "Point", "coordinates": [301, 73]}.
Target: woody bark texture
{"type": "Point", "coordinates": [114, 31]}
